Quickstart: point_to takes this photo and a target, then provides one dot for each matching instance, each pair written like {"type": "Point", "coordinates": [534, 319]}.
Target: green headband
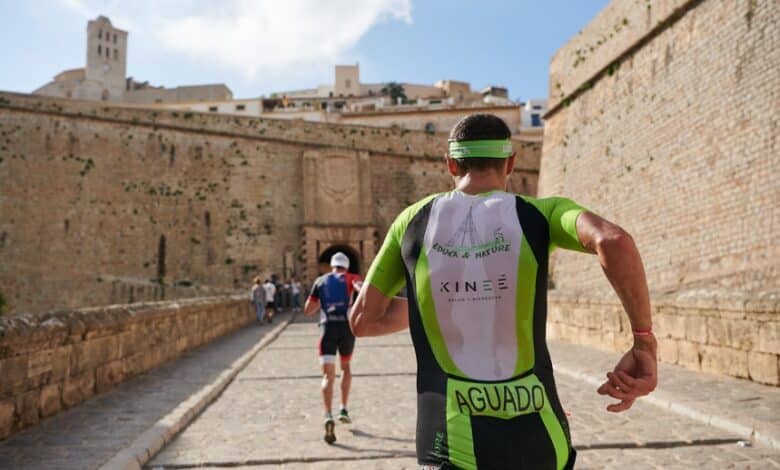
{"type": "Point", "coordinates": [498, 148]}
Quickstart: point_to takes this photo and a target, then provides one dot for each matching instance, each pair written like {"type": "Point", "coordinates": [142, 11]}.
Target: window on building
{"type": "Point", "coordinates": [213, 109]}
{"type": "Point", "coordinates": [240, 107]}
{"type": "Point", "coordinates": [100, 49]}
{"type": "Point", "coordinates": [114, 38]}
{"type": "Point", "coordinates": [430, 127]}
{"type": "Point", "coordinates": [536, 120]}
{"type": "Point", "coordinates": [347, 83]}
{"type": "Point", "coordinates": [100, 34]}
{"type": "Point", "coordinates": [116, 54]}
{"type": "Point", "coordinates": [537, 107]}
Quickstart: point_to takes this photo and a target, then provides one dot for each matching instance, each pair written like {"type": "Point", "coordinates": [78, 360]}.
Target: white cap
{"type": "Point", "coordinates": [339, 260]}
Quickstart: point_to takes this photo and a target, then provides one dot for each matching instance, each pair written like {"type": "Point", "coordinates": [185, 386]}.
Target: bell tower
{"type": "Point", "coordinates": [106, 58]}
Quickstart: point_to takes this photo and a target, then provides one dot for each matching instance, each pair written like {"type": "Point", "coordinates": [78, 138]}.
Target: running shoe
{"type": "Point", "coordinates": [330, 435]}
{"type": "Point", "coordinates": [344, 416]}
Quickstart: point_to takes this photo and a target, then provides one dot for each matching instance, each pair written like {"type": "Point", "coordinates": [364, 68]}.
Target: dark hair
{"type": "Point", "coordinates": [480, 126]}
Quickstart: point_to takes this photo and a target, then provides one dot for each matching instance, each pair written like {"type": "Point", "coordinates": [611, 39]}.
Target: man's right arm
{"type": "Point", "coordinates": [312, 304]}
{"type": "Point", "coordinates": [636, 373]}
{"type": "Point", "coordinates": [377, 311]}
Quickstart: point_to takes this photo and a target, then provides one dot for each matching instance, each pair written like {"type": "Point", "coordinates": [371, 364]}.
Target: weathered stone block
{"type": "Point", "coordinates": [133, 341]}
{"type": "Point", "coordinates": [623, 341]}
{"type": "Point", "coordinates": [732, 332]}
{"type": "Point", "coordinates": [724, 360]}
{"type": "Point", "coordinates": [688, 354]}
{"type": "Point", "coordinates": [696, 328]}
{"type": "Point", "coordinates": [92, 353]}
{"type": "Point", "coordinates": [28, 407]}
{"type": "Point", "coordinates": [669, 325]}
{"type": "Point", "coordinates": [769, 337]}
{"type": "Point", "coordinates": [13, 369]}
{"type": "Point", "coordinates": [668, 350]}
{"type": "Point", "coordinates": [51, 399]}
{"type": "Point", "coordinates": [133, 364]}
{"type": "Point", "coordinates": [764, 367]}
{"type": "Point", "coordinates": [718, 331]}
{"type": "Point", "coordinates": [39, 362]}
{"type": "Point", "coordinates": [108, 375]}
{"type": "Point", "coordinates": [79, 388]}
{"type": "Point", "coordinates": [6, 417]}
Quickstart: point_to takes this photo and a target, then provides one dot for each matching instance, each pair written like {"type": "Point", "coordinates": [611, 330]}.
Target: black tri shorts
{"type": "Point", "coordinates": [336, 337]}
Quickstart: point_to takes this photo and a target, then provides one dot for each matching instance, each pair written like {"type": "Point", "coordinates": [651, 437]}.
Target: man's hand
{"type": "Point", "coordinates": [635, 375]}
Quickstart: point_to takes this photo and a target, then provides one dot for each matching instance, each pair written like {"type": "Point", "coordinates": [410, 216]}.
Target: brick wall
{"type": "Point", "coordinates": [664, 119]}
{"type": "Point", "coordinates": [57, 360]}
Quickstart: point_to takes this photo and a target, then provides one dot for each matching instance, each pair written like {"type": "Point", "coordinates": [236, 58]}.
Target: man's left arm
{"type": "Point", "coordinates": [573, 227]}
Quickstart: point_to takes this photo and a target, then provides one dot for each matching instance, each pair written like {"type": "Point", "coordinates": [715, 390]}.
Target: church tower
{"type": "Point", "coordinates": [106, 59]}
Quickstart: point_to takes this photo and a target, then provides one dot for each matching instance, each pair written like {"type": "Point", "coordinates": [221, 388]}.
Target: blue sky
{"type": "Point", "coordinates": [260, 46]}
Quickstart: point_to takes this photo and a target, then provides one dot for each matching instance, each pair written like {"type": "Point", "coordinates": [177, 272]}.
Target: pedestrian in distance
{"type": "Point", "coordinates": [257, 298]}
{"type": "Point", "coordinates": [475, 263]}
{"type": "Point", "coordinates": [270, 305]}
{"type": "Point", "coordinates": [296, 288]}
{"type": "Point", "coordinates": [331, 296]}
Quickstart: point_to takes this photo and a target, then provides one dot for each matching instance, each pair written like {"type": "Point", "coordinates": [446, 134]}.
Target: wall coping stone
{"type": "Point", "coordinates": [58, 327]}
{"type": "Point", "coordinates": [314, 134]}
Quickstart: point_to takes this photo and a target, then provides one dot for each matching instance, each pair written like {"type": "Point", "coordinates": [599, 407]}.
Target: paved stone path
{"type": "Point", "coordinates": [88, 435]}
{"type": "Point", "coordinates": [271, 417]}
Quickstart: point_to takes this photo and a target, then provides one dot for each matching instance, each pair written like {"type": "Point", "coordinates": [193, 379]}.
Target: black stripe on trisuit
{"type": "Point", "coordinates": [516, 443]}
{"type": "Point", "coordinates": [431, 439]}
{"type": "Point", "coordinates": [536, 230]}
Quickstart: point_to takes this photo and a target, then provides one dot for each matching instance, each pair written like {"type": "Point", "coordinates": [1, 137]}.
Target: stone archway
{"type": "Point", "coordinates": [320, 242]}
{"type": "Point", "coordinates": [338, 209]}
{"type": "Point", "coordinates": [355, 261]}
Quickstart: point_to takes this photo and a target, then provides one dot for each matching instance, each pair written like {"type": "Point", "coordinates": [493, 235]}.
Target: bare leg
{"type": "Point", "coordinates": [328, 377]}
{"type": "Point", "coordinates": [346, 382]}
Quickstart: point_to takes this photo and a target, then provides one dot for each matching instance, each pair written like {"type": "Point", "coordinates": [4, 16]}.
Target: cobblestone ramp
{"type": "Point", "coordinates": [271, 416]}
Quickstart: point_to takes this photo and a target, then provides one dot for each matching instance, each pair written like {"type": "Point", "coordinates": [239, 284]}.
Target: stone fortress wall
{"type": "Point", "coordinates": [664, 118]}
{"type": "Point", "coordinates": [104, 204]}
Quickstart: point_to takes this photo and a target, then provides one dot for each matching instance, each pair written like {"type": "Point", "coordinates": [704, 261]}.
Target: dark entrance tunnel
{"type": "Point", "coordinates": [323, 262]}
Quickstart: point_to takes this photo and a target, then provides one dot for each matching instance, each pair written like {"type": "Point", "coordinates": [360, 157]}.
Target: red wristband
{"type": "Point", "coordinates": [644, 332]}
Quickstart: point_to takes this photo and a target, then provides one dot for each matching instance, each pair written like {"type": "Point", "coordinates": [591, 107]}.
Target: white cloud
{"type": "Point", "coordinates": [253, 36]}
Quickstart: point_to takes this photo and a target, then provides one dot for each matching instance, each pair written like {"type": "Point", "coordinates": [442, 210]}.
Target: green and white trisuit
{"type": "Point", "coordinates": [476, 271]}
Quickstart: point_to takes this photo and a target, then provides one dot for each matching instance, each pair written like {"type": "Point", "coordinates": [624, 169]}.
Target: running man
{"type": "Point", "coordinates": [270, 293]}
{"type": "Point", "coordinates": [331, 295]}
{"type": "Point", "coordinates": [475, 262]}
